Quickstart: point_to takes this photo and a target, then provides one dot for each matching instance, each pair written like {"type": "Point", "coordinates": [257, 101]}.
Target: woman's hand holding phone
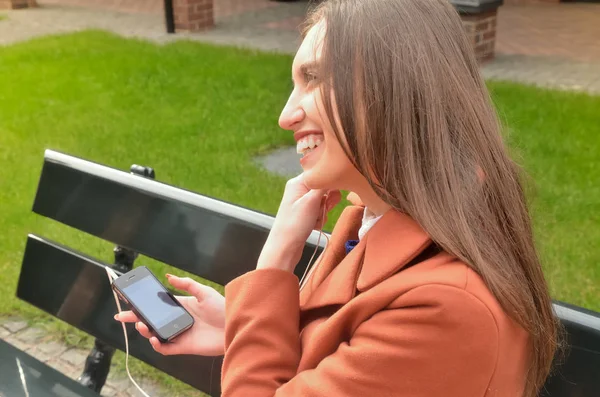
{"type": "Point", "coordinates": [301, 211]}
{"type": "Point", "coordinates": [207, 335]}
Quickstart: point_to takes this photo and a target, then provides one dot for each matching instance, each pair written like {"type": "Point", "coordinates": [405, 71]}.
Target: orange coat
{"type": "Point", "coordinates": [366, 325]}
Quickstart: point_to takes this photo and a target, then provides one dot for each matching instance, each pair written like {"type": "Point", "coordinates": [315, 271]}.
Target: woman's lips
{"type": "Point", "coordinates": [309, 142]}
{"type": "Point", "coordinates": [309, 157]}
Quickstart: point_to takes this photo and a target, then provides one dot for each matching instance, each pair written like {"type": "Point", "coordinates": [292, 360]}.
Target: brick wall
{"type": "Point", "coordinates": [193, 15]}
{"type": "Point", "coordinates": [481, 30]}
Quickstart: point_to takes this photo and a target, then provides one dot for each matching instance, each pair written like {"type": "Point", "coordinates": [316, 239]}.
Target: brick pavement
{"type": "Point", "coordinates": [222, 8]}
{"type": "Point", "coordinates": [128, 6]}
{"type": "Point", "coordinates": [551, 45]}
{"type": "Point", "coordinates": [549, 72]}
{"type": "Point", "coordinates": [68, 360]}
{"type": "Point", "coordinates": [246, 29]}
{"type": "Point", "coordinates": [566, 30]}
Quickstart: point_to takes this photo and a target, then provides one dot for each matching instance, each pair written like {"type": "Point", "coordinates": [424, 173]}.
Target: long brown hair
{"type": "Point", "coordinates": [419, 124]}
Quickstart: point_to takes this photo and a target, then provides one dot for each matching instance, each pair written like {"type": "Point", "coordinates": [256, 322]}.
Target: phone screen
{"type": "Point", "coordinates": [153, 302]}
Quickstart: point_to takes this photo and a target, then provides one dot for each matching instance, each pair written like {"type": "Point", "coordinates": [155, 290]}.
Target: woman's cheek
{"type": "Point", "coordinates": [328, 173]}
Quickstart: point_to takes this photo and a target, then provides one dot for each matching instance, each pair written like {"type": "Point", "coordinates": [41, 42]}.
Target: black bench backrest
{"type": "Point", "coordinates": [210, 238]}
{"type": "Point", "coordinates": [204, 236]}
{"type": "Point", "coordinates": [215, 240]}
{"type": "Point", "coordinates": [73, 287]}
{"type": "Point", "coordinates": [578, 373]}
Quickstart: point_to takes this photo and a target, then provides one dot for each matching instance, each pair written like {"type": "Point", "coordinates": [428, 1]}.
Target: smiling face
{"type": "Point", "coordinates": [324, 162]}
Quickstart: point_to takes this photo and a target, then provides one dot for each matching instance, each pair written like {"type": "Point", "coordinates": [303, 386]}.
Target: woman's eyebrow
{"type": "Point", "coordinates": [305, 67]}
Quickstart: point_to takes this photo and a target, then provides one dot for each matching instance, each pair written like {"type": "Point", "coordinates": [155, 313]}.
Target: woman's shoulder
{"type": "Point", "coordinates": [452, 287]}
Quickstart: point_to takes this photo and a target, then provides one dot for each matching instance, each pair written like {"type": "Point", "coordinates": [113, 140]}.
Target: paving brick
{"type": "Point", "coordinates": [14, 325]}
{"type": "Point", "coordinates": [134, 392]}
{"type": "Point", "coordinates": [108, 391]}
{"type": "Point", "coordinates": [18, 343]}
{"type": "Point", "coordinates": [52, 348]}
{"type": "Point", "coordinates": [61, 366]}
{"type": "Point", "coordinates": [75, 357]}
{"type": "Point", "coordinates": [4, 333]}
{"type": "Point", "coordinates": [118, 382]}
{"type": "Point", "coordinates": [533, 31]}
{"type": "Point", "coordinates": [74, 372]}
{"type": "Point", "coordinates": [151, 388]}
{"type": "Point", "coordinates": [40, 355]}
{"type": "Point", "coordinates": [548, 30]}
{"type": "Point", "coordinates": [222, 8]}
{"type": "Point", "coordinates": [544, 71]}
{"type": "Point", "coordinates": [30, 335]}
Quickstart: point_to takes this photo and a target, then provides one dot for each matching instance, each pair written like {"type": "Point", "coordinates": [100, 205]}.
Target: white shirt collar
{"type": "Point", "coordinates": [369, 219]}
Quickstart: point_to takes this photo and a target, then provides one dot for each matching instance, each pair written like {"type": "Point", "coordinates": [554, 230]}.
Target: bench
{"type": "Point", "coordinates": [210, 238]}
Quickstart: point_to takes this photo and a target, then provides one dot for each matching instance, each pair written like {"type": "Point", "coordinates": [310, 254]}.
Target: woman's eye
{"type": "Point", "coordinates": [309, 77]}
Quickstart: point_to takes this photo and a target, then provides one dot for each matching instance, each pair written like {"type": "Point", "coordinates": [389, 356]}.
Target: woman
{"type": "Point", "coordinates": [430, 285]}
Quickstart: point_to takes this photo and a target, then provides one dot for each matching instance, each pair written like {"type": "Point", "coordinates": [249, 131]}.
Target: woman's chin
{"type": "Point", "coordinates": [315, 179]}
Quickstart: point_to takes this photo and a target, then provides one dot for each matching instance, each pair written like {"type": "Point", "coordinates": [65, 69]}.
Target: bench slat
{"type": "Point", "coordinates": [210, 238]}
{"type": "Point", "coordinates": [74, 288]}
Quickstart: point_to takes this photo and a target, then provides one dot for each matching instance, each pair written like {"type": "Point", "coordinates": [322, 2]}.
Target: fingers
{"type": "Point", "coordinates": [167, 349]}
{"type": "Point", "coordinates": [130, 317]}
{"type": "Point", "coordinates": [333, 198]}
{"type": "Point", "coordinates": [127, 317]}
{"type": "Point", "coordinates": [321, 223]}
{"type": "Point", "coordinates": [315, 196]}
{"type": "Point", "coordinates": [193, 287]}
{"type": "Point", "coordinates": [143, 330]}
{"type": "Point", "coordinates": [329, 201]}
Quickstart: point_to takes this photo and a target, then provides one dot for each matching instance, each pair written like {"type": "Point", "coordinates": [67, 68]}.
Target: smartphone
{"type": "Point", "coordinates": [153, 303]}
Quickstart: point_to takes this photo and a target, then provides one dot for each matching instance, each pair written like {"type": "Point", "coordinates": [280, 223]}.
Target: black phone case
{"type": "Point", "coordinates": [146, 322]}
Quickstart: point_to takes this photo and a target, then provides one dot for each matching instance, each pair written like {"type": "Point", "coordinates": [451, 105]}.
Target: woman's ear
{"type": "Point", "coordinates": [480, 174]}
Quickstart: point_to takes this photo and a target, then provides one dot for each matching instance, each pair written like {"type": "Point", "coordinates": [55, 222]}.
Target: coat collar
{"type": "Point", "coordinates": [385, 249]}
{"type": "Point", "coordinates": [320, 289]}
{"type": "Point", "coordinates": [391, 243]}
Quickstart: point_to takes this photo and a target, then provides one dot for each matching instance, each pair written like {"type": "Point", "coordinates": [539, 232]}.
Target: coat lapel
{"type": "Point", "coordinates": [333, 257]}
{"type": "Point", "coordinates": [391, 243]}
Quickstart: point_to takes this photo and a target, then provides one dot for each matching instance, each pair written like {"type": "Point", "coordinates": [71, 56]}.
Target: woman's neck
{"type": "Point", "coordinates": [373, 202]}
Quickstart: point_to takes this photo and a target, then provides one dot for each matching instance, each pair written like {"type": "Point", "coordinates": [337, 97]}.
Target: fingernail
{"type": "Point", "coordinates": [116, 316]}
{"type": "Point", "coordinates": [169, 275]}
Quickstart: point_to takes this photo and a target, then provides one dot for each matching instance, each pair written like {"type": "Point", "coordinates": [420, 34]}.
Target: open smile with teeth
{"type": "Point", "coordinates": [308, 143]}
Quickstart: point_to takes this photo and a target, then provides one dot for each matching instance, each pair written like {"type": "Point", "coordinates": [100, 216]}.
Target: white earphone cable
{"type": "Point", "coordinates": [309, 269]}
{"type": "Point", "coordinates": [112, 276]}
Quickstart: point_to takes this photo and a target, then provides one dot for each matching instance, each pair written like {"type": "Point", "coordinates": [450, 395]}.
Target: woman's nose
{"type": "Point", "coordinates": [290, 116]}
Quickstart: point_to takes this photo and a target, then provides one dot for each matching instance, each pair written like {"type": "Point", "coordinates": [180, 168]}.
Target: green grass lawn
{"type": "Point", "coordinates": [556, 137]}
{"type": "Point", "coordinates": [198, 114]}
